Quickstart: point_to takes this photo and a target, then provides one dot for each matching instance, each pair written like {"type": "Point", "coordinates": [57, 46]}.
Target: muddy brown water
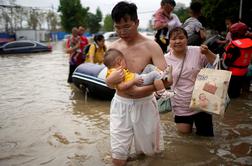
{"type": "Point", "coordinates": [45, 121]}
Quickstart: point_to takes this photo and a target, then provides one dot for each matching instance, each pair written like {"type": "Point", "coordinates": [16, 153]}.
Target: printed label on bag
{"type": "Point", "coordinates": [210, 87]}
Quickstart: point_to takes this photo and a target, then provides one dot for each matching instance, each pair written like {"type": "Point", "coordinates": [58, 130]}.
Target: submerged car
{"type": "Point", "coordinates": [24, 46]}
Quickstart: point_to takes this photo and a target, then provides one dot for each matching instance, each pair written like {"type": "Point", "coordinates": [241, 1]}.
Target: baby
{"type": "Point", "coordinates": [75, 38]}
{"type": "Point", "coordinates": [151, 74]}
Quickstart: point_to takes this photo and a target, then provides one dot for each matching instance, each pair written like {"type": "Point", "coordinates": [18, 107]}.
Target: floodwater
{"type": "Point", "coordinates": [45, 121]}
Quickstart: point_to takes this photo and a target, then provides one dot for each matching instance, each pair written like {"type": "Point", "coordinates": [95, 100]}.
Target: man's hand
{"type": "Point", "coordinates": [115, 77]}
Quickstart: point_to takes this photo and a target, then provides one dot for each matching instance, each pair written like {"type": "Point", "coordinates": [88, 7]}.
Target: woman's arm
{"type": "Point", "coordinates": [91, 53]}
{"type": "Point", "coordinates": [209, 54]}
{"type": "Point", "coordinates": [70, 50]}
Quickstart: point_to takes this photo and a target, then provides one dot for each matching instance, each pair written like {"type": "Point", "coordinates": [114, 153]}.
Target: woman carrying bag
{"type": "Point", "coordinates": [187, 62]}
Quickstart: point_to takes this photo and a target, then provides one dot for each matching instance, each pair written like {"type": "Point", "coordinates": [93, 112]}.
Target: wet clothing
{"type": "Point", "coordinates": [203, 123]}
{"type": "Point", "coordinates": [134, 122]}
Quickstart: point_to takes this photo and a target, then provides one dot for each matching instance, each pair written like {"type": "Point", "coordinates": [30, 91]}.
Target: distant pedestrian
{"type": "Point", "coordinates": [237, 58]}
{"type": "Point", "coordinates": [195, 30]}
{"type": "Point", "coordinates": [97, 50]}
{"type": "Point", "coordinates": [164, 21]}
{"type": "Point", "coordinates": [74, 47]}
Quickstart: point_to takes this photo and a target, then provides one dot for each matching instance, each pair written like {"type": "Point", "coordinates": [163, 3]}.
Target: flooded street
{"type": "Point", "coordinates": [46, 121]}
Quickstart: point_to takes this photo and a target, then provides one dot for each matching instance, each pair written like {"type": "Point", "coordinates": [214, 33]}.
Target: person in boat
{"type": "Point", "coordinates": [151, 74]}
{"type": "Point", "coordinates": [96, 50]}
{"type": "Point", "coordinates": [133, 112]}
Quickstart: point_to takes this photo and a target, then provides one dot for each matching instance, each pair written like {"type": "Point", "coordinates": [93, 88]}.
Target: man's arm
{"type": "Point", "coordinates": [202, 33]}
{"type": "Point", "coordinates": [159, 61]}
{"type": "Point", "coordinates": [115, 77]}
{"type": "Point", "coordinates": [128, 84]}
{"type": "Point", "coordinates": [69, 49]}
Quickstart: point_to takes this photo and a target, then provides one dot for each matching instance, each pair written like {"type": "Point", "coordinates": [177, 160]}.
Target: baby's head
{"type": "Point", "coordinates": [113, 58]}
{"type": "Point", "coordinates": [75, 32]}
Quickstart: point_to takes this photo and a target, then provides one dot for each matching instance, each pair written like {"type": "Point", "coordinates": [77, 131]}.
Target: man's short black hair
{"type": "Point", "coordinates": [171, 2]}
{"type": "Point", "coordinates": [124, 10]}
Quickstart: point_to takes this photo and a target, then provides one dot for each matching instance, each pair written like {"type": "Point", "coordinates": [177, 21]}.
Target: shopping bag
{"type": "Point", "coordinates": [164, 105]}
{"type": "Point", "coordinates": [210, 91]}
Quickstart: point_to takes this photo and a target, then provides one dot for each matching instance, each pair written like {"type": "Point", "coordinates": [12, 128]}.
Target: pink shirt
{"type": "Point", "coordinates": [160, 18]}
{"type": "Point", "coordinates": [194, 61]}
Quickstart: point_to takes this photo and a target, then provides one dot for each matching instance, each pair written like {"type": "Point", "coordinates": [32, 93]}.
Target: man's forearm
{"type": "Point", "coordinates": [137, 92]}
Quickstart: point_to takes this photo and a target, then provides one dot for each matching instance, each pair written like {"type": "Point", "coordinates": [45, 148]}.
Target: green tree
{"type": "Point", "coordinates": [182, 13]}
{"type": "Point", "coordinates": [216, 11]}
{"type": "Point", "coordinates": [108, 23]}
{"type": "Point", "coordinates": [93, 21]}
{"type": "Point", "coordinates": [72, 14]}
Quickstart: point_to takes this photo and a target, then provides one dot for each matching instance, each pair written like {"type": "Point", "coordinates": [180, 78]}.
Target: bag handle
{"type": "Point", "coordinates": [216, 64]}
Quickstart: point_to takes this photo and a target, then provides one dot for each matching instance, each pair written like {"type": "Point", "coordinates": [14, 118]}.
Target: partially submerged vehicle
{"type": "Point", "coordinates": [24, 46]}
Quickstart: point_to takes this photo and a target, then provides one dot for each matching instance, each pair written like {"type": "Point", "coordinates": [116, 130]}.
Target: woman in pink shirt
{"type": "Point", "coordinates": [187, 62]}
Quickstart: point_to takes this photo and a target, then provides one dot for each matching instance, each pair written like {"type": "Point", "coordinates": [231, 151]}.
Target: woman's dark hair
{"type": "Point", "coordinates": [98, 37]}
{"type": "Point", "coordinates": [178, 30]}
{"type": "Point", "coordinates": [124, 10]}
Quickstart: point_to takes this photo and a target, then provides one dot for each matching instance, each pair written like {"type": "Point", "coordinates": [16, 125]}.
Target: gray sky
{"type": "Point", "coordinates": [145, 7]}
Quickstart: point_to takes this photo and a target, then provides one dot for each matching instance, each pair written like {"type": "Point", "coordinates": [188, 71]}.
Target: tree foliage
{"type": "Point", "coordinates": [108, 23]}
{"type": "Point", "coordinates": [93, 21]}
{"type": "Point", "coordinates": [72, 14]}
{"type": "Point", "coordinates": [216, 11]}
{"type": "Point", "coordinates": [182, 13]}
